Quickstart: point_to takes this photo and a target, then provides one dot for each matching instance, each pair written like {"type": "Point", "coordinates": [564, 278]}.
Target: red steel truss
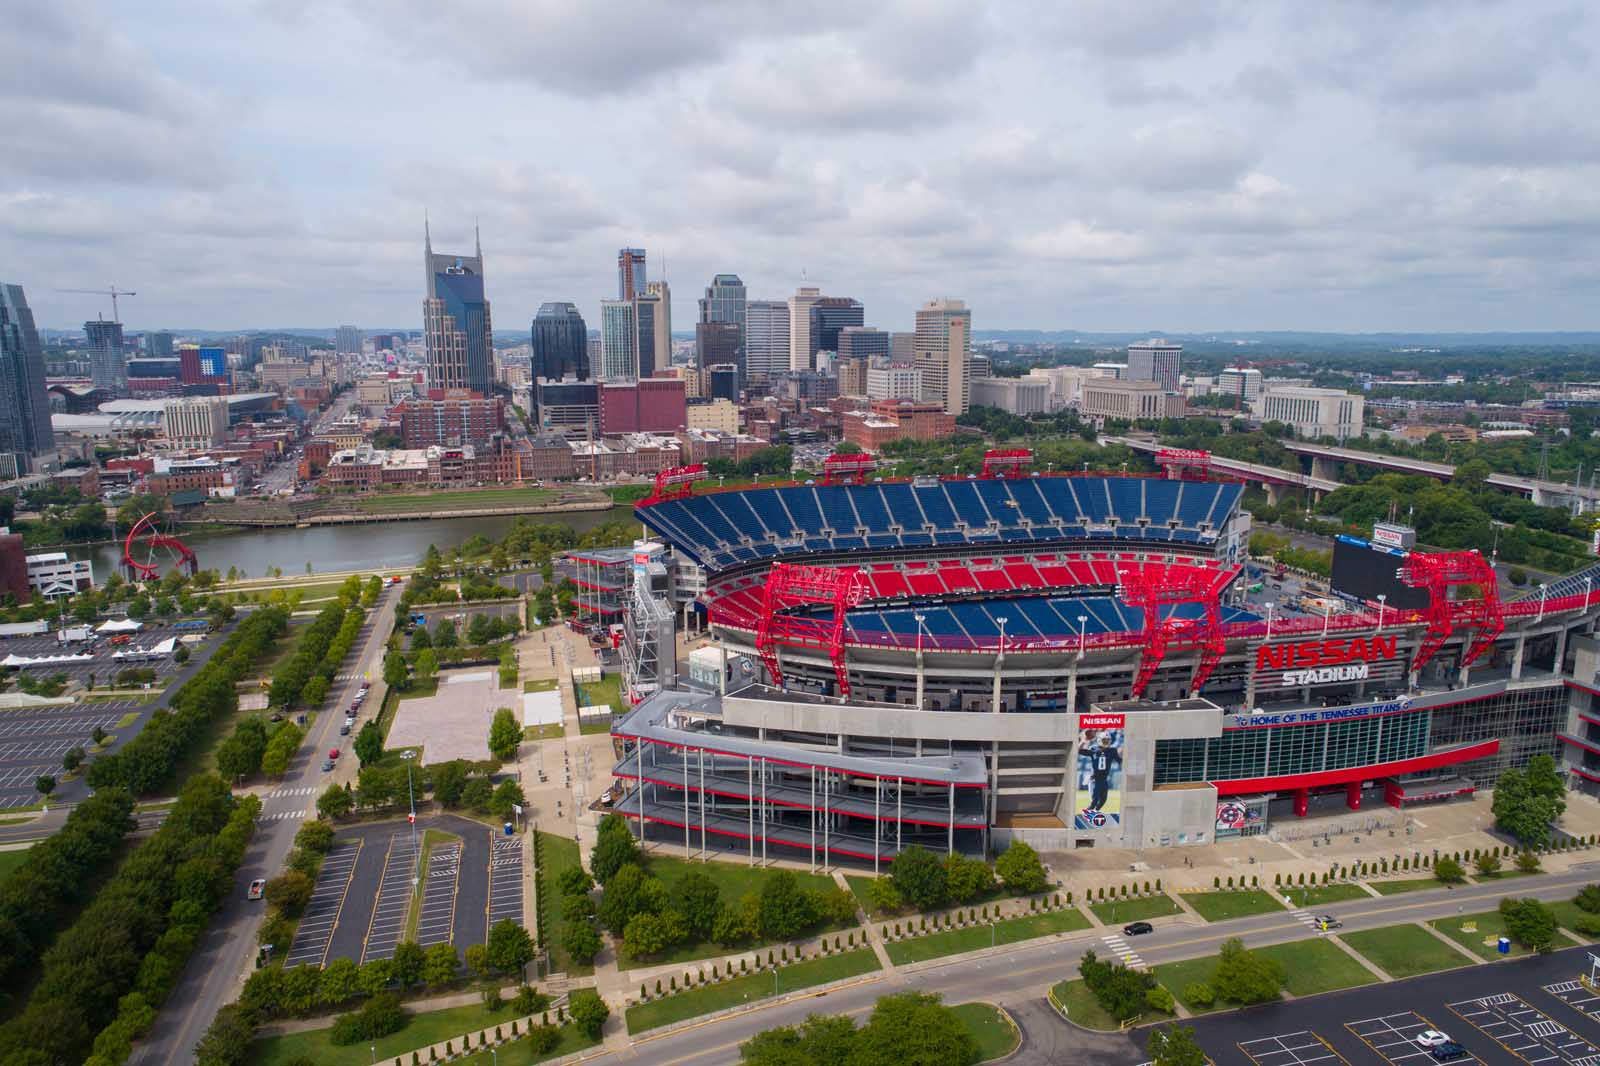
{"type": "Point", "coordinates": [1155, 589]}
{"type": "Point", "coordinates": [1178, 462]}
{"type": "Point", "coordinates": [849, 469]}
{"type": "Point", "coordinates": [1439, 573]}
{"type": "Point", "coordinates": [147, 549]}
{"type": "Point", "coordinates": [674, 483]}
{"type": "Point", "coordinates": [1006, 462]}
{"type": "Point", "coordinates": [786, 620]}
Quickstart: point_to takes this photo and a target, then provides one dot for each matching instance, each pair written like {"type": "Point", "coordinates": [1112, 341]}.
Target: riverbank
{"type": "Point", "coordinates": [396, 507]}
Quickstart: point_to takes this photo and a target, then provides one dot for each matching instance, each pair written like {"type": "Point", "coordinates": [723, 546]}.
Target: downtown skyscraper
{"type": "Point", "coordinates": [560, 343]}
{"type": "Point", "coordinates": [24, 407]}
{"type": "Point", "coordinates": [108, 359]}
{"type": "Point", "coordinates": [457, 331]}
{"type": "Point", "coordinates": [631, 277]}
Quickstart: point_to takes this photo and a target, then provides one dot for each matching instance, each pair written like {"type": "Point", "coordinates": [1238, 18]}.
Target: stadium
{"type": "Point", "coordinates": [1076, 660]}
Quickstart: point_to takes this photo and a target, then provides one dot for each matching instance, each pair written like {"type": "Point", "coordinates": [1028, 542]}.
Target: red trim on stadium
{"type": "Point", "coordinates": [747, 836]}
{"type": "Point", "coordinates": [1587, 745]}
{"type": "Point", "coordinates": [806, 765]}
{"type": "Point", "coordinates": [1247, 786]}
{"type": "Point", "coordinates": [1590, 689]}
{"type": "Point", "coordinates": [783, 803]}
{"type": "Point", "coordinates": [1587, 775]}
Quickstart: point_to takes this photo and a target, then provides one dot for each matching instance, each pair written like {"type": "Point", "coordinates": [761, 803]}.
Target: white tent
{"type": "Point", "coordinates": [541, 708]}
{"type": "Point", "coordinates": [120, 625]}
{"type": "Point", "coordinates": [43, 660]}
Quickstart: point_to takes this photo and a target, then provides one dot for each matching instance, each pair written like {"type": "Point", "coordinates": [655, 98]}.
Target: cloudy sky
{"type": "Point", "coordinates": [1093, 164]}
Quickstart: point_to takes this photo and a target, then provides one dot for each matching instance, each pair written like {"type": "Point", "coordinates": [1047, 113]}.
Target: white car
{"type": "Point", "coordinates": [1432, 1038]}
{"type": "Point", "coordinates": [257, 889]}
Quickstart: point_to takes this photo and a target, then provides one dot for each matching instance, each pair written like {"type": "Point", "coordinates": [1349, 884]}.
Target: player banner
{"type": "Point", "coordinates": [1097, 796]}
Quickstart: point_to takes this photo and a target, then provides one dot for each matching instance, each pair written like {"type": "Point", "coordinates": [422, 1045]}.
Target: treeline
{"type": "Point", "coordinates": [109, 972]}
{"type": "Point", "coordinates": [306, 677]}
{"type": "Point", "coordinates": [147, 761]}
{"type": "Point", "coordinates": [58, 872]}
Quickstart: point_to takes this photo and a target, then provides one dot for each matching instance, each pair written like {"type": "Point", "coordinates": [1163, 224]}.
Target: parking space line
{"type": "Point", "coordinates": [436, 921]}
{"type": "Point", "coordinates": [1523, 1030]}
{"type": "Point", "coordinates": [1300, 1048]}
{"type": "Point", "coordinates": [1394, 1037]}
{"type": "Point", "coordinates": [505, 881]}
{"type": "Point", "coordinates": [321, 915]}
{"type": "Point", "coordinates": [393, 905]}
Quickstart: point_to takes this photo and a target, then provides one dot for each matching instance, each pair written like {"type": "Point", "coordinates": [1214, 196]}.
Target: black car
{"type": "Point", "coordinates": [1447, 1051]}
{"type": "Point", "coordinates": [1137, 929]}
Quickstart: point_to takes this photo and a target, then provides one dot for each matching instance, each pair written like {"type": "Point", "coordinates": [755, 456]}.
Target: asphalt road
{"type": "Point", "coordinates": [1018, 977]}
{"type": "Point", "coordinates": [226, 953]}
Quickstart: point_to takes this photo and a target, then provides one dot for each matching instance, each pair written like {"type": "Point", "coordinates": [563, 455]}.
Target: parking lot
{"type": "Point", "coordinates": [103, 664]}
{"type": "Point", "coordinates": [327, 900]}
{"type": "Point", "coordinates": [505, 880]}
{"type": "Point", "coordinates": [1533, 1011]}
{"type": "Point", "coordinates": [33, 740]}
{"type": "Point", "coordinates": [455, 888]}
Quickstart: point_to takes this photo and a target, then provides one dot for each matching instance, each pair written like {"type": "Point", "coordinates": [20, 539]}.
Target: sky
{"type": "Point", "coordinates": [1067, 164]}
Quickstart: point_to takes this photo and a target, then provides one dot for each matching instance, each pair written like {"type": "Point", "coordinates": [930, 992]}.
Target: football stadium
{"type": "Point", "coordinates": [1076, 660]}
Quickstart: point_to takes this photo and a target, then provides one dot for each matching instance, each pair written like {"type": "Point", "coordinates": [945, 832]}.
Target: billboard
{"type": "Point", "coordinates": [1364, 571]}
{"type": "Point", "coordinates": [1326, 661]}
{"type": "Point", "coordinates": [1244, 816]}
{"type": "Point", "coordinates": [1097, 775]}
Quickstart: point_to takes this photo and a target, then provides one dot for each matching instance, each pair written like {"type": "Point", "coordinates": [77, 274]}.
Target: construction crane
{"type": "Point", "coordinates": [112, 292]}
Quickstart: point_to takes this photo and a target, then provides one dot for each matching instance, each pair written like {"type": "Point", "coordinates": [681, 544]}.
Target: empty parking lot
{"type": "Point", "coordinates": [33, 740]}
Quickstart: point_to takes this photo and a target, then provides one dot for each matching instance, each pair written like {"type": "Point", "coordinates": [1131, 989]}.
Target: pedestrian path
{"type": "Point", "coordinates": [1125, 954]}
{"type": "Point", "coordinates": [284, 793]}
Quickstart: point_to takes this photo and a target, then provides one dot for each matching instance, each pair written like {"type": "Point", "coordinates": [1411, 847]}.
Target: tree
{"type": "Point", "coordinates": [614, 848]}
{"type": "Point", "coordinates": [227, 1040]}
{"type": "Point", "coordinates": [786, 911]}
{"type": "Point", "coordinates": [650, 934]}
{"type": "Point", "coordinates": [589, 1012]}
{"type": "Point", "coordinates": [341, 981]}
{"type": "Point", "coordinates": [477, 957]}
{"type": "Point", "coordinates": [477, 794]}
{"type": "Point", "coordinates": [316, 836]}
{"type": "Point", "coordinates": [629, 892]}
{"type": "Point", "coordinates": [507, 798]}
{"type": "Point", "coordinates": [510, 946]}
{"type": "Point", "coordinates": [1528, 801]}
{"type": "Point", "coordinates": [334, 802]}
{"type": "Point", "coordinates": [697, 898]}
{"type": "Point", "coordinates": [44, 785]}
{"type": "Point", "coordinates": [1487, 863]}
{"type": "Point", "coordinates": [480, 629]}
{"type": "Point", "coordinates": [1448, 871]}
{"type": "Point", "coordinates": [574, 881]}
{"type": "Point", "coordinates": [440, 965]}
{"type": "Point", "coordinates": [1527, 862]}
{"type": "Point", "coordinates": [913, 1029]}
{"type": "Point", "coordinates": [1529, 922]}
{"type": "Point", "coordinates": [290, 892]}
{"type": "Point", "coordinates": [1020, 868]}
{"type": "Point", "coordinates": [409, 960]}
{"type": "Point", "coordinates": [505, 734]}
{"type": "Point", "coordinates": [580, 939]}
{"type": "Point", "coordinates": [919, 877]}
{"type": "Point", "coordinates": [883, 896]}
{"type": "Point", "coordinates": [1588, 899]}
{"type": "Point", "coordinates": [369, 743]}
{"type": "Point", "coordinates": [1174, 1045]}
{"type": "Point", "coordinates": [966, 879]}
{"type": "Point", "coordinates": [449, 779]}
{"type": "Point", "coordinates": [426, 665]}
{"type": "Point", "coordinates": [420, 639]}
{"type": "Point", "coordinates": [394, 670]}
{"type": "Point", "coordinates": [444, 634]}
{"type": "Point", "coordinates": [71, 759]}
{"type": "Point", "coordinates": [1245, 977]}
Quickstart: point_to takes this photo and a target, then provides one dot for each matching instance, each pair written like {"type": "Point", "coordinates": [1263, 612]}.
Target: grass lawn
{"type": "Point", "coordinates": [202, 754]}
{"type": "Point", "coordinates": [540, 684]}
{"type": "Point", "coordinates": [1239, 903]}
{"type": "Point", "coordinates": [454, 501]}
{"type": "Point", "coordinates": [1082, 1007]}
{"type": "Point", "coordinates": [420, 1030]}
{"type": "Point", "coordinates": [556, 854]}
{"type": "Point", "coordinates": [972, 938]}
{"type": "Point", "coordinates": [421, 687]}
{"type": "Point", "coordinates": [1567, 915]}
{"type": "Point", "coordinates": [748, 989]}
{"type": "Point", "coordinates": [1405, 950]}
{"type": "Point", "coordinates": [993, 1031]}
{"type": "Point", "coordinates": [1316, 896]}
{"type": "Point", "coordinates": [548, 731]}
{"type": "Point", "coordinates": [517, 1053]}
{"type": "Point", "coordinates": [128, 719]}
{"type": "Point", "coordinates": [590, 728]}
{"type": "Point", "coordinates": [1490, 927]}
{"type": "Point", "coordinates": [10, 860]}
{"type": "Point", "coordinates": [1124, 911]}
{"type": "Point", "coordinates": [605, 692]}
{"type": "Point", "coordinates": [1312, 966]}
{"type": "Point", "coordinates": [1415, 884]}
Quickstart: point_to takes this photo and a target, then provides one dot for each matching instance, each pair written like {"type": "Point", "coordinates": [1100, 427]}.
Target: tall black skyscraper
{"type": "Point", "coordinates": [560, 343]}
{"type": "Point", "coordinates": [24, 408]}
{"type": "Point", "coordinates": [455, 319]}
{"type": "Point", "coordinates": [829, 315]}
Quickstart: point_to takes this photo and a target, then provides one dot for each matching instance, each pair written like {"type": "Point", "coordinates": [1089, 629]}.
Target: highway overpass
{"type": "Point", "coordinates": [1325, 459]}
{"type": "Point", "coordinates": [1275, 480]}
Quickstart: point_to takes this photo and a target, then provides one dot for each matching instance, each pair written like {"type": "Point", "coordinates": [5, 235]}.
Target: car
{"type": "Point", "coordinates": [1447, 1051]}
{"type": "Point", "coordinates": [333, 753]}
{"type": "Point", "coordinates": [1328, 921]}
{"type": "Point", "coordinates": [1432, 1038]}
{"type": "Point", "coordinates": [1137, 929]}
{"type": "Point", "coordinates": [257, 888]}
{"type": "Point", "coordinates": [327, 764]}
{"type": "Point", "coordinates": [277, 716]}
{"type": "Point", "coordinates": [344, 730]}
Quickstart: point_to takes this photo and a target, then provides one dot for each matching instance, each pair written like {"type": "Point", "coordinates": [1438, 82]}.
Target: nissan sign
{"type": "Point", "coordinates": [1293, 664]}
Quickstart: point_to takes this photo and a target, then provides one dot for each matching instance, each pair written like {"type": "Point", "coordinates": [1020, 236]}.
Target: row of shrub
{"type": "Point", "coordinates": [961, 919]}
{"type": "Point", "coordinates": [921, 879]}
{"type": "Point", "coordinates": [146, 763]}
{"type": "Point", "coordinates": [111, 969]}
{"type": "Point", "coordinates": [57, 875]}
{"type": "Point", "coordinates": [310, 670]}
{"type": "Point", "coordinates": [775, 958]}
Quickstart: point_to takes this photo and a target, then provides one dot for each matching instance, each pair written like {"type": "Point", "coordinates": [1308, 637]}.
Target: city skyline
{"type": "Point", "coordinates": [1192, 167]}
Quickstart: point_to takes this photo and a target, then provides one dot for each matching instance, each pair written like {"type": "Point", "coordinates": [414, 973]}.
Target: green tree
{"type": "Point", "coordinates": [1528, 801]}
{"type": "Point", "coordinates": [696, 897]}
{"type": "Point", "coordinates": [505, 734]}
{"type": "Point", "coordinates": [420, 639]}
{"type": "Point", "coordinates": [334, 802]}
{"type": "Point", "coordinates": [425, 665]}
{"type": "Point", "coordinates": [444, 635]}
{"type": "Point", "coordinates": [315, 836]}
{"type": "Point", "coordinates": [1245, 977]}
{"type": "Point", "coordinates": [786, 911]}
{"type": "Point", "coordinates": [1448, 871]}
{"type": "Point", "coordinates": [966, 878]}
{"type": "Point", "coordinates": [589, 1012]}
{"type": "Point", "coordinates": [883, 896]}
{"type": "Point", "coordinates": [920, 877]}
{"type": "Point", "coordinates": [1487, 863]}
{"type": "Point", "coordinates": [629, 892]}
{"type": "Point", "coordinates": [45, 784]}
{"type": "Point", "coordinates": [614, 848]}
{"type": "Point", "coordinates": [1174, 1045]}
{"type": "Point", "coordinates": [650, 934]}
{"type": "Point", "coordinates": [341, 982]}
{"type": "Point", "coordinates": [369, 743]}
{"type": "Point", "coordinates": [507, 798]}
{"type": "Point", "coordinates": [449, 779]}
{"type": "Point", "coordinates": [440, 965]}
{"type": "Point", "coordinates": [480, 629]}
{"type": "Point", "coordinates": [914, 1029]}
{"type": "Point", "coordinates": [1529, 922]}
{"type": "Point", "coordinates": [580, 940]}
{"type": "Point", "coordinates": [290, 891]}
{"type": "Point", "coordinates": [227, 1040]}
{"type": "Point", "coordinates": [409, 962]}
{"type": "Point", "coordinates": [510, 946]}
{"type": "Point", "coordinates": [1020, 868]}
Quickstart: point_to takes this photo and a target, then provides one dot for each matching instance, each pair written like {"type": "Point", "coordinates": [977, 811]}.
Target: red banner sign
{"type": "Point", "coordinates": [1309, 654]}
{"type": "Point", "coordinates": [1100, 721]}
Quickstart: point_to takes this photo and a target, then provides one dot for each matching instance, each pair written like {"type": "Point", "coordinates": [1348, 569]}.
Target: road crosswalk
{"type": "Point", "coordinates": [1125, 954]}
{"type": "Point", "coordinates": [283, 816]}
{"type": "Point", "coordinates": [284, 793]}
{"type": "Point", "coordinates": [1307, 919]}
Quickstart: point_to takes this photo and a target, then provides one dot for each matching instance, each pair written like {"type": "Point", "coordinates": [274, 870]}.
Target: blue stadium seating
{"type": "Point", "coordinates": [709, 527]}
{"type": "Point", "coordinates": [1054, 617]}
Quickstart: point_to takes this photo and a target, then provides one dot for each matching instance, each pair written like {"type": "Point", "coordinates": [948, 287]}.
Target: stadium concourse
{"type": "Point", "coordinates": [1076, 660]}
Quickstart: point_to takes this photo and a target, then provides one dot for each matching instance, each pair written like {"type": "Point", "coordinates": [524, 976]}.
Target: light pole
{"type": "Point", "coordinates": [1382, 598]}
{"type": "Point", "coordinates": [374, 1050]}
{"type": "Point", "coordinates": [1270, 606]}
{"type": "Point", "coordinates": [411, 797]}
{"type": "Point", "coordinates": [1001, 622]}
{"type": "Point", "coordinates": [1543, 588]}
{"type": "Point", "coordinates": [1083, 631]}
{"type": "Point", "coordinates": [1327, 613]}
{"type": "Point", "coordinates": [921, 675]}
{"type": "Point", "coordinates": [1588, 582]}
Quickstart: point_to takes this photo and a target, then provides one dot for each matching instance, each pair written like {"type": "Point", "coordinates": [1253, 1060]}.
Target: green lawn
{"type": "Point", "coordinates": [1567, 915]}
{"type": "Point", "coordinates": [420, 1030]}
{"type": "Point", "coordinates": [1123, 911]}
{"type": "Point", "coordinates": [748, 989]}
{"type": "Point", "coordinates": [556, 854]}
{"type": "Point", "coordinates": [1238, 903]}
{"type": "Point", "coordinates": [517, 1053]}
{"type": "Point", "coordinates": [548, 731]}
{"type": "Point", "coordinates": [455, 501]}
{"type": "Point", "coordinates": [1405, 950]}
{"type": "Point", "coordinates": [1319, 895]}
{"type": "Point", "coordinates": [1177, 976]}
{"type": "Point", "coordinates": [540, 684]}
{"type": "Point", "coordinates": [1081, 1006]}
{"type": "Point", "coordinates": [591, 728]}
{"type": "Point", "coordinates": [993, 1031]}
{"type": "Point", "coordinates": [606, 691]}
{"type": "Point", "coordinates": [1490, 927]}
{"type": "Point", "coordinates": [1415, 884]}
{"type": "Point", "coordinates": [1309, 966]}
{"type": "Point", "coordinates": [10, 860]}
{"type": "Point", "coordinates": [972, 938]}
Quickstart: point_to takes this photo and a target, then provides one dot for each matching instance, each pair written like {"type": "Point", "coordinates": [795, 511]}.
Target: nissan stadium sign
{"type": "Point", "coordinates": [1295, 664]}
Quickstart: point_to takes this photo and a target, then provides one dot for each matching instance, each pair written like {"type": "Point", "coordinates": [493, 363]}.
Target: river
{"type": "Point", "coordinates": [341, 547]}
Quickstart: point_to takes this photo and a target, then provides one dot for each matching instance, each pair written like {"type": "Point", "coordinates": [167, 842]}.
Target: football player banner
{"type": "Point", "coordinates": [1097, 796]}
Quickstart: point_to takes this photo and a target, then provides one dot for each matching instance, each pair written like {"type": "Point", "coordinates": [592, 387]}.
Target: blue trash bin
{"type": "Point", "coordinates": [1504, 945]}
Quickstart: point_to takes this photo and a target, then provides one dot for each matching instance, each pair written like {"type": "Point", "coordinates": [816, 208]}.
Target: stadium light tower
{"type": "Point", "coordinates": [999, 659]}
{"type": "Point", "coordinates": [920, 618]}
{"type": "Point", "coordinates": [1382, 597]}
{"type": "Point", "coordinates": [1543, 588]}
{"type": "Point", "coordinates": [1083, 631]}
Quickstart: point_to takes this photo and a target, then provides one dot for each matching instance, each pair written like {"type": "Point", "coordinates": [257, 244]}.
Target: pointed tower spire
{"type": "Point", "coordinates": [477, 242]}
{"type": "Point", "coordinates": [427, 234]}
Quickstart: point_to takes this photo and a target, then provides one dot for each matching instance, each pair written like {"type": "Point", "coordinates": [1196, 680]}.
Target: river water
{"type": "Point", "coordinates": [343, 547]}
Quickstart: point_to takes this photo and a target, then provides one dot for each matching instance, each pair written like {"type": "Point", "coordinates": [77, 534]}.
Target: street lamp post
{"type": "Point", "coordinates": [1543, 588]}
{"type": "Point", "coordinates": [411, 797]}
{"type": "Point", "coordinates": [999, 659]}
{"type": "Point", "coordinates": [1270, 605]}
{"type": "Point", "coordinates": [1382, 598]}
{"type": "Point", "coordinates": [920, 618]}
